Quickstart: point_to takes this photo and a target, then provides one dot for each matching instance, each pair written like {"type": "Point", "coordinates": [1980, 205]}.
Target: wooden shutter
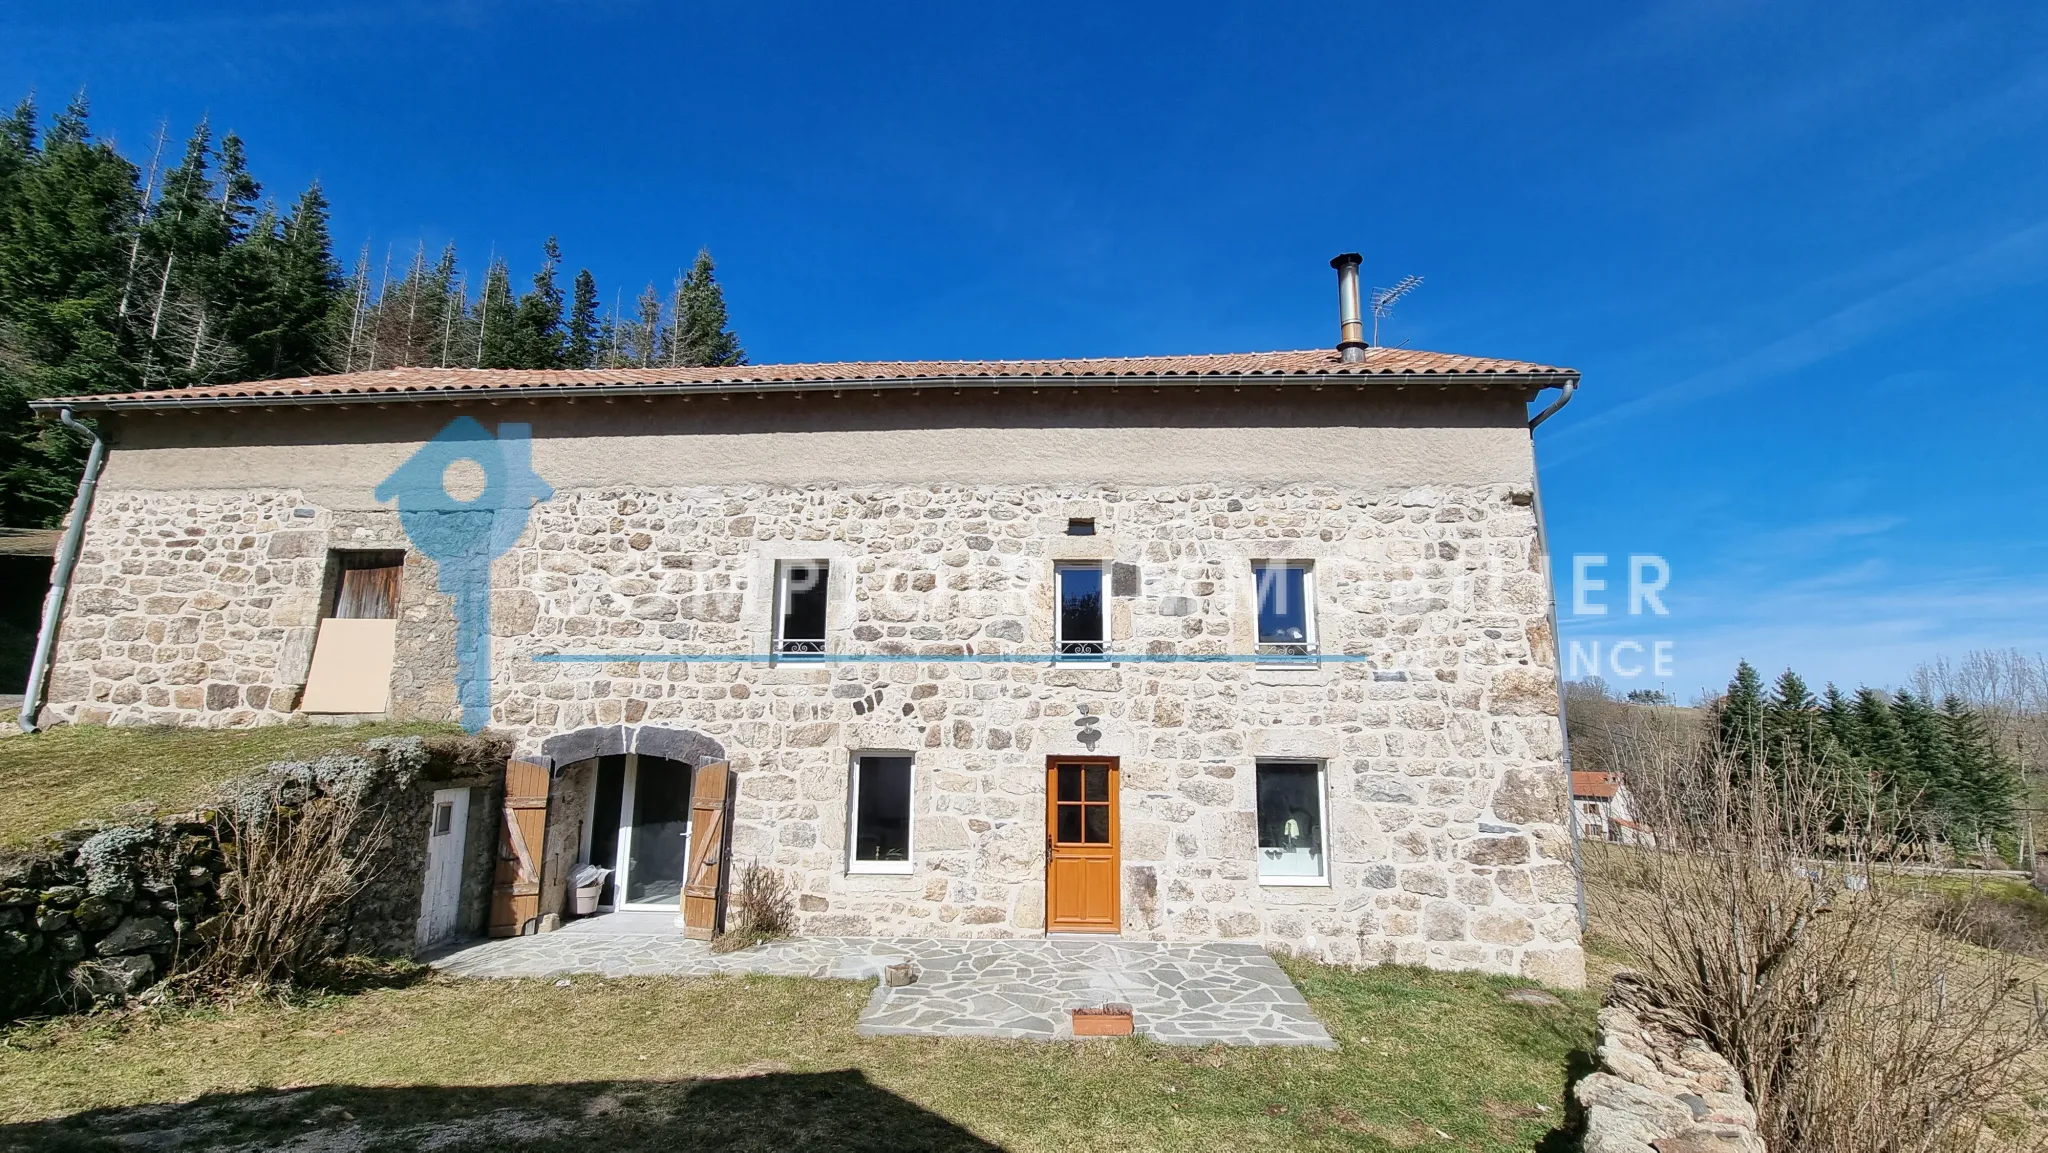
{"type": "Point", "coordinates": [704, 874]}
{"type": "Point", "coordinates": [515, 898]}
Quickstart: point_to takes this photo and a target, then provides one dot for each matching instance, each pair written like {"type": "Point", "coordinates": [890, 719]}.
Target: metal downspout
{"type": "Point", "coordinates": [1557, 646]}
{"type": "Point", "coordinates": [60, 574]}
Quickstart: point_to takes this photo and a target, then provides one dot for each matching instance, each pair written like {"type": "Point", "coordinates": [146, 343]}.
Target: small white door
{"type": "Point", "coordinates": [441, 897]}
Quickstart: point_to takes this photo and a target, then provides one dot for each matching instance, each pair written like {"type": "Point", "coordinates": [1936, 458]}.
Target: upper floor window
{"type": "Point", "coordinates": [1083, 625]}
{"type": "Point", "coordinates": [800, 609]}
{"type": "Point", "coordinates": [1286, 610]}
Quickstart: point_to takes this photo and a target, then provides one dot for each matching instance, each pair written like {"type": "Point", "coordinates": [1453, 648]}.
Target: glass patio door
{"type": "Point", "coordinates": [654, 833]}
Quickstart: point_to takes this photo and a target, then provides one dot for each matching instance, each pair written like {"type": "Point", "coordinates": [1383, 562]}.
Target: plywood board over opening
{"type": "Point", "coordinates": [351, 666]}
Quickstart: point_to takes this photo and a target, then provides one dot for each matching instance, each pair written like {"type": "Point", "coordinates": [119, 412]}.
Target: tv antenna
{"type": "Point", "coordinates": [1384, 299]}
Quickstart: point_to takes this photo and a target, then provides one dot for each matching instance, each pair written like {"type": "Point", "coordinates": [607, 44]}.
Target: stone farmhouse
{"type": "Point", "coordinates": [1255, 647]}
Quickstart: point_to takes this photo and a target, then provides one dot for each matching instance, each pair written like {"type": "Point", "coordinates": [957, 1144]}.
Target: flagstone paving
{"type": "Point", "coordinates": [1193, 994]}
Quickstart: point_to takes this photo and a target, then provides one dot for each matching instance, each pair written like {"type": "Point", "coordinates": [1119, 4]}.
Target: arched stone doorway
{"type": "Point", "coordinates": [620, 799]}
{"type": "Point", "coordinates": [686, 745]}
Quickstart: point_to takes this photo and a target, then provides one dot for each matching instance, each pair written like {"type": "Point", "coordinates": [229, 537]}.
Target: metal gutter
{"type": "Point", "coordinates": [623, 390]}
{"type": "Point", "coordinates": [60, 574]}
{"type": "Point", "coordinates": [1563, 398]}
{"type": "Point", "coordinates": [1564, 733]}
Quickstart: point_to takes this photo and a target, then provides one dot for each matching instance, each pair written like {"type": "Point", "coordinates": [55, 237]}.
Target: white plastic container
{"type": "Point", "coordinates": [589, 883]}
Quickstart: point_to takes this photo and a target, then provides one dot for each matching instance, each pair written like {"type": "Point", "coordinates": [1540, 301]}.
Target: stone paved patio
{"type": "Point", "coordinates": [1195, 994]}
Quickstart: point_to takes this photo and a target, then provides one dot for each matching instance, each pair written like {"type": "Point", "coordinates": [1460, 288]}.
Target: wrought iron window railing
{"type": "Point", "coordinates": [797, 650]}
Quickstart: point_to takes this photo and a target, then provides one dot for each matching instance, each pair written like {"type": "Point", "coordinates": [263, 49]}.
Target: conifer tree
{"type": "Point", "coordinates": [1925, 763]}
{"type": "Point", "coordinates": [1838, 722]}
{"type": "Point", "coordinates": [1985, 786]}
{"type": "Point", "coordinates": [497, 334]}
{"type": "Point", "coordinates": [436, 326]}
{"type": "Point", "coordinates": [673, 346]}
{"type": "Point", "coordinates": [67, 206]}
{"type": "Point", "coordinates": [642, 338]}
{"type": "Point", "coordinates": [1882, 753]}
{"type": "Point", "coordinates": [701, 327]}
{"type": "Point", "coordinates": [289, 287]}
{"type": "Point", "coordinates": [239, 191]}
{"type": "Point", "coordinates": [1740, 718]}
{"type": "Point", "coordinates": [583, 327]}
{"type": "Point", "coordinates": [189, 237]}
{"type": "Point", "coordinates": [1791, 723]}
{"type": "Point", "coordinates": [537, 329]}
{"type": "Point", "coordinates": [17, 146]}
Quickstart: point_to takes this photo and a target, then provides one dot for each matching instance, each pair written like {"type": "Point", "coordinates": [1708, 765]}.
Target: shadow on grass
{"type": "Point", "coordinates": [769, 1112]}
{"type": "Point", "coordinates": [355, 974]}
{"type": "Point", "coordinates": [1565, 1138]}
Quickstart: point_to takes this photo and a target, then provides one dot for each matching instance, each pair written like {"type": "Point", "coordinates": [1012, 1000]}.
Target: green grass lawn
{"type": "Point", "coordinates": [1427, 1060]}
{"type": "Point", "coordinates": [52, 780]}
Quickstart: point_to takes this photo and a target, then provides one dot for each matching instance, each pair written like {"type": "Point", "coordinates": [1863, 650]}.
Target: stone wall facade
{"type": "Point", "coordinates": [1439, 736]}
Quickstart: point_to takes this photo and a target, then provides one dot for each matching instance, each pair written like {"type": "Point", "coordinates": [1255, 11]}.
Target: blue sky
{"type": "Point", "coordinates": [1801, 258]}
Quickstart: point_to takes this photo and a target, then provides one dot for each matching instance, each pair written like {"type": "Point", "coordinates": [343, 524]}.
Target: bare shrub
{"type": "Point", "coordinates": [2013, 919]}
{"type": "Point", "coordinates": [763, 910]}
{"type": "Point", "coordinates": [290, 869]}
{"type": "Point", "coordinates": [1766, 919]}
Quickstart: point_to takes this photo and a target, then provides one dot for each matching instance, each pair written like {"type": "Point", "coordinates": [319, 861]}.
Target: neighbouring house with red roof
{"type": "Point", "coordinates": [1604, 813]}
{"type": "Point", "coordinates": [1253, 647]}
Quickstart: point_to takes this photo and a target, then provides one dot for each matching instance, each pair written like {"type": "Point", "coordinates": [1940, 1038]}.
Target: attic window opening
{"type": "Point", "coordinates": [355, 648]}
{"type": "Point", "coordinates": [1081, 526]}
{"type": "Point", "coordinates": [365, 583]}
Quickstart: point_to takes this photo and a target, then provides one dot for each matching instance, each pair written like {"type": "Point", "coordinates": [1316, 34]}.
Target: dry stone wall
{"type": "Point", "coordinates": [1440, 743]}
{"type": "Point", "coordinates": [1660, 1089]}
{"type": "Point", "coordinates": [103, 913]}
{"type": "Point", "coordinates": [99, 913]}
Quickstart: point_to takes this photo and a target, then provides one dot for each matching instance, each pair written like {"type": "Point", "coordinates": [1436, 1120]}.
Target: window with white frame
{"type": "Point", "coordinates": [1083, 621]}
{"type": "Point", "coordinates": [881, 815]}
{"type": "Point", "coordinates": [800, 601]}
{"type": "Point", "coordinates": [1291, 826]}
{"type": "Point", "coordinates": [1287, 619]}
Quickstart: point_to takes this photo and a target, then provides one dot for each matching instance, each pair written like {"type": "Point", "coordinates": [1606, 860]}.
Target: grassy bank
{"type": "Point", "coordinates": [1427, 1059]}
{"type": "Point", "coordinates": [55, 779]}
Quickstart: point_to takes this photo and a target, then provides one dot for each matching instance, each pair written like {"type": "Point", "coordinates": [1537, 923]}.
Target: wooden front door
{"type": "Point", "coordinates": [1081, 858]}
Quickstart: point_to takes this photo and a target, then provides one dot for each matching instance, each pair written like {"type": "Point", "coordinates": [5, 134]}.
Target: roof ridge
{"type": "Point", "coordinates": [427, 382]}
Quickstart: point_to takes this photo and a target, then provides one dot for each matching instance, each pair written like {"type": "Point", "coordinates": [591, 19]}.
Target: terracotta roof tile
{"type": "Point", "coordinates": [438, 383]}
{"type": "Point", "coordinates": [1595, 785]}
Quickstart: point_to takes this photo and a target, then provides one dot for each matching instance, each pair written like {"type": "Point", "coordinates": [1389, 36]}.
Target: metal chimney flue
{"type": "Point", "coordinates": [1351, 346]}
